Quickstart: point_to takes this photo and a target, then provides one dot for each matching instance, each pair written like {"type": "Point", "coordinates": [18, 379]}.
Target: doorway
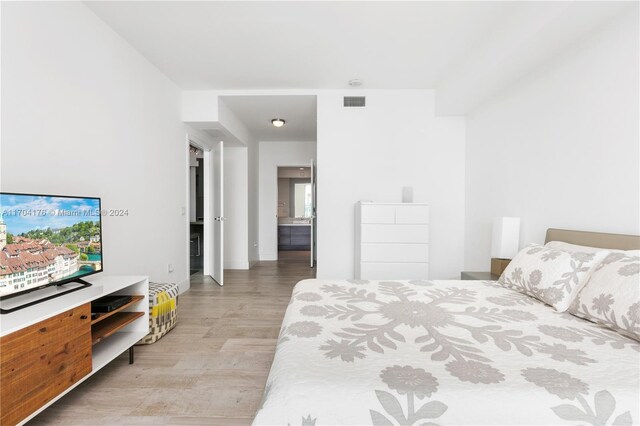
{"type": "Point", "coordinates": [295, 212]}
{"type": "Point", "coordinates": [196, 210]}
{"type": "Point", "coordinates": [205, 213]}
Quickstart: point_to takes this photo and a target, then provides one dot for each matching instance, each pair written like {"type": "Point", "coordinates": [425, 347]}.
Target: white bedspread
{"type": "Point", "coordinates": [444, 352]}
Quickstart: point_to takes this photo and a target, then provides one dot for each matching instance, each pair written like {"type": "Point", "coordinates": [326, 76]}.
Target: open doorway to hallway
{"type": "Point", "coordinates": [205, 216]}
{"type": "Point", "coordinates": [196, 210]}
{"type": "Point", "coordinates": [295, 211]}
{"type": "Point", "coordinates": [280, 130]}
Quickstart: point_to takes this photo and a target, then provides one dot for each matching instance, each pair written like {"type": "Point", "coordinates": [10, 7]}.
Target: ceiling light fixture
{"type": "Point", "coordinates": [277, 122]}
{"type": "Point", "coordinates": [356, 82]}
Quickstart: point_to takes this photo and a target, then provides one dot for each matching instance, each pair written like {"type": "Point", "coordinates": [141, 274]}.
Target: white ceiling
{"type": "Point", "coordinates": [275, 45]}
{"type": "Point", "coordinates": [256, 113]}
{"type": "Point", "coordinates": [465, 50]}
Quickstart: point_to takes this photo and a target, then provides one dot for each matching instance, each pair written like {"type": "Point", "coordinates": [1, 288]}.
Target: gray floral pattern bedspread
{"type": "Point", "coordinates": [444, 352]}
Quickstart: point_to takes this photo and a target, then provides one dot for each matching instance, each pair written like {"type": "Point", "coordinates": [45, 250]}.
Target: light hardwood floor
{"type": "Point", "coordinates": [211, 369]}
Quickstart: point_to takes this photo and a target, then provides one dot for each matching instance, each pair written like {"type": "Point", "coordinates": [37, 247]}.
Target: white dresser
{"type": "Point", "coordinates": [392, 241]}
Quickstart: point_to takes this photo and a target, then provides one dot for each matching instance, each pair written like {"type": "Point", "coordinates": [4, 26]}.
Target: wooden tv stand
{"type": "Point", "coordinates": [50, 348]}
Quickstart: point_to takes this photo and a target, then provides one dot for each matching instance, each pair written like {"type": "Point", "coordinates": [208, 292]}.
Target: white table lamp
{"type": "Point", "coordinates": [505, 242]}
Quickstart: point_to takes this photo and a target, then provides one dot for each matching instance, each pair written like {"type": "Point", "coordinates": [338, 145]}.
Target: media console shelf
{"type": "Point", "coordinates": [50, 348]}
{"type": "Point", "coordinates": [108, 323]}
{"type": "Point", "coordinates": [107, 328]}
{"type": "Point", "coordinates": [105, 315]}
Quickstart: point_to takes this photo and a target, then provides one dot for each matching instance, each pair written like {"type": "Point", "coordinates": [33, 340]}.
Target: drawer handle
{"type": "Point", "coordinates": [83, 317]}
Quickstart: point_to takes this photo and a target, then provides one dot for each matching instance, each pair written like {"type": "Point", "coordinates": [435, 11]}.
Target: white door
{"type": "Point", "coordinates": [218, 214]}
{"type": "Point", "coordinates": [313, 213]}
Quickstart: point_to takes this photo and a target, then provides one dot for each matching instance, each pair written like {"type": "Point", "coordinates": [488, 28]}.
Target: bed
{"type": "Point", "coordinates": [447, 352]}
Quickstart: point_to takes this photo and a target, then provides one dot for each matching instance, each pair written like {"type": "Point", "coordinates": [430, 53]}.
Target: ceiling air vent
{"type": "Point", "coordinates": [354, 101]}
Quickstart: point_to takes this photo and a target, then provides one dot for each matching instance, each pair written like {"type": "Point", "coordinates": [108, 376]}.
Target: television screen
{"type": "Point", "coordinates": [47, 240]}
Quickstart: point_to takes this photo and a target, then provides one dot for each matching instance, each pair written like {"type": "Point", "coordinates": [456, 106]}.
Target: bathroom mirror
{"type": "Point", "coordinates": [302, 199]}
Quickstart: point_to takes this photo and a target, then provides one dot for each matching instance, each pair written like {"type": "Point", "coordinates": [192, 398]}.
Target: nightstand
{"type": "Point", "coordinates": [466, 275]}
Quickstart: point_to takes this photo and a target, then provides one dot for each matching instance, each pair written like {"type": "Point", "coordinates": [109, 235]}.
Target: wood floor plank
{"type": "Point", "coordinates": [210, 370]}
{"type": "Point", "coordinates": [250, 345]}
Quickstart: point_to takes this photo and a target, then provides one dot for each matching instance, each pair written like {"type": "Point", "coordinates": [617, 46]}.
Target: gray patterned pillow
{"type": "Point", "coordinates": [572, 248]}
{"type": "Point", "coordinates": [552, 276]}
{"type": "Point", "coordinates": [611, 296]}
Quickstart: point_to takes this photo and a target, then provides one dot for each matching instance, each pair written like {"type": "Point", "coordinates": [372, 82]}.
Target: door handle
{"type": "Point", "coordinates": [220, 218]}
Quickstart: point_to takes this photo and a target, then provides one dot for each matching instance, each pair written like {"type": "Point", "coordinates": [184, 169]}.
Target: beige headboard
{"type": "Point", "coordinates": [594, 239]}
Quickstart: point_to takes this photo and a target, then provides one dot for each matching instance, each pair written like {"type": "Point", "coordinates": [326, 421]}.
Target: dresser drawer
{"type": "Point", "coordinates": [379, 233]}
{"type": "Point", "coordinates": [378, 214]}
{"type": "Point", "coordinates": [39, 362]}
{"type": "Point", "coordinates": [376, 252]}
{"type": "Point", "coordinates": [412, 214]}
{"type": "Point", "coordinates": [394, 271]}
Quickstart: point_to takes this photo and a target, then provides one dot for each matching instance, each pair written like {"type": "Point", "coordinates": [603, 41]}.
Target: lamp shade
{"type": "Point", "coordinates": [506, 237]}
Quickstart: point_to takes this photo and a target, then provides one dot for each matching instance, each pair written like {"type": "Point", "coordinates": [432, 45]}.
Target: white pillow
{"type": "Point", "coordinates": [571, 248]}
{"type": "Point", "coordinates": [553, 276]}
{"type": "Point", "coordinates": [611, 296]}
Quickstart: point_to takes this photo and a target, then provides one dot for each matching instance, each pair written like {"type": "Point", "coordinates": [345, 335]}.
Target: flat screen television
{"type": "Point", "coordinates": [47, 240]}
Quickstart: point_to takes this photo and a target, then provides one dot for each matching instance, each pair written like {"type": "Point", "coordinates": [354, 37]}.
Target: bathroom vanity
{"type": "Point", "coordinates": [294, 235]}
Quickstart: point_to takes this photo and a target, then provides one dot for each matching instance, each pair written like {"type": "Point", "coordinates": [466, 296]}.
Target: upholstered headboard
{"type": "Point", "coordinates": [594, 239]}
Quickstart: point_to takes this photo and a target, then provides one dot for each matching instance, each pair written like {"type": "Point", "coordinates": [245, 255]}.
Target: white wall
{"type": "Point", "coordinates": [271, 156]}
{"type": "Point", "coordinates": [560, 148]}
{"type": "Point", "coordinates": [370, 154]}
{"type": "Point", "coordinates": [236, 208]}
{"type": "Point", "coordinates": [85, 113]}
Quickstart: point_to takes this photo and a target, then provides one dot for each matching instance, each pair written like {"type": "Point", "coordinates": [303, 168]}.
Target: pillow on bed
{"type": "Point", "coordinates": [611, 296]}
{"type": "Point", "coordinates": [552, 276]}
{"type": "Point", "coordinates": [572, 248]}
